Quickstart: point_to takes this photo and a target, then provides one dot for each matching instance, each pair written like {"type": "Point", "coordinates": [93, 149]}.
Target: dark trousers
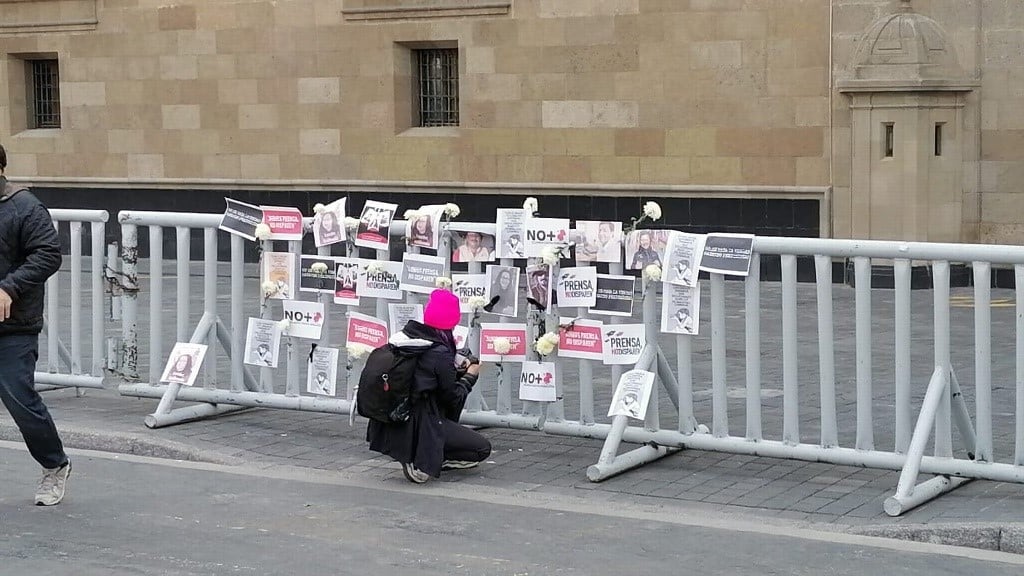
{"type": "Point", "coordinates": [461, 443]}
{"type": "Point", "coordinates": [18, 356]}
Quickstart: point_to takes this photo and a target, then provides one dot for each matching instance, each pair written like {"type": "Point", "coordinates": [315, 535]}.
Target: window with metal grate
{"type": "Point", "coordinates": [44, 94]}
{"type": "Point", "coordinates": [437, 73]}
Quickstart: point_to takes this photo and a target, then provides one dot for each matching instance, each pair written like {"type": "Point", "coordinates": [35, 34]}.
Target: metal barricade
{"type": "Point", "coordinates": [63, 366]}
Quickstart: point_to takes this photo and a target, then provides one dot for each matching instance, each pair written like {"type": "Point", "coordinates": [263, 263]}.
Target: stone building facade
{"type": "Point", "coordinates": [810, 117]}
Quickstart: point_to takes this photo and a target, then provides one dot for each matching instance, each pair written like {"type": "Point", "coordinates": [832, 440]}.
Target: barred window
{"type": "Point", "coordinates": [43, 94]}
{"type": "Point", "coordinates": [437, 72]}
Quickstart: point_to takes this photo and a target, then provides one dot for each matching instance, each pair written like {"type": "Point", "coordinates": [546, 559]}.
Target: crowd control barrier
{"type": "Point", "coordinates": [63, 365]}
{"type": "Point", "coordinates": [942, 408]}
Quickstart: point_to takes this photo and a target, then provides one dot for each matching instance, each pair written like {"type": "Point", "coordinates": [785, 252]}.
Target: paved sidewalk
{"type": "Point", "coordinates": [846, 497]}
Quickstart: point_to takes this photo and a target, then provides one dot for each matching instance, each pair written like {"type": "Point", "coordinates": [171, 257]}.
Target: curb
{"type": "Point", "coordinates": [1007, 537]}
{"type": "Point", "coordinates": [126, 443]}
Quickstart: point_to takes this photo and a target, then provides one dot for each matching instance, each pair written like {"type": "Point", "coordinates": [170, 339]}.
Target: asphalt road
{"type": "Point", "coordinates": [137, 516]}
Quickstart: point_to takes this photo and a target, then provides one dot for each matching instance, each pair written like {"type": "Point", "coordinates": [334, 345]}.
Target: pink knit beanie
{"type": "Point", "coordinates": [442, 310]}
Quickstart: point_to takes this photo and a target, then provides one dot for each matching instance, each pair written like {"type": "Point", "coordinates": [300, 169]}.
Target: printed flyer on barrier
{"type": "Point", "coordinates": [346, 287]}
{"type": "Point", "coordinates": [680, 309]}
{"type": "Point", "coordinates": [538, 285]}
{"type": "Point", "coordinates": [727, 254]}
{"type": "Point", "coordinates": [322, 371]}
{"type": "Point", "coordinates": [262, 343]}
{"type": "Point", "coordinates": [682, 258]}
{"type": "Point", "coordinates": [381, 280]}
{"type": "Point", "coordinates": [537, 382]}
{"type": "Point", "coordinates": [423, 231]}
{"type": "Point", "coordinates": [366, 330]}
{"type": "Point", "coordinates": [461, 334]}
{"type": "Point", "coordinates": [544, 233]}
{"type": "Point", "coordinates": [512, 335]}
{"type": "Point", "coordinates": [400, 314]}
{"type": "Point", "coordinates": [306, 319]}
{"type": "Point", "coordinates": [279, 270]}
{"type": "Point", "coordinates": [577, 287]}
{"type": "Point", "coordinates": [420, 272]}
{"type": "Point", "coordinates": [632, 395]}
{"type": "Point", "coordinates": [614, 295]}
{"type": "Point", "coordinates": [503, 284]}
{"type": "Point", "coordinates": [623, 343]}
{"type": "Point", "coordinates": [374, 230]}
{"type": "Point", "coordinates": [511, 226]}
{"type": "Point", "coordinates": [598, 242]}
{"type": "Point", "coordinates": [329, 225]}
{"type": "Point", "coordinates": [184, 363]}
{"type": "Point", "coordinates": [284, 223]}
{"type": "Point", "coordinates": [581, 339]}
{"type": "Point", "coordinates": [314, 278]}
{"type": "Point", "coordinates": [467, 287]}
{"type": "Point", "coordinates": [241, 219]}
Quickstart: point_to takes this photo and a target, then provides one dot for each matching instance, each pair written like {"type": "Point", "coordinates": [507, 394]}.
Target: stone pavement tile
{"type": "Point", "coordinates": [812, 504]}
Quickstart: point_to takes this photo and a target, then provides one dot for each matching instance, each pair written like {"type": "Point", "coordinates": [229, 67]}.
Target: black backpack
{"type": "Point", "coordinates": [385, 386]}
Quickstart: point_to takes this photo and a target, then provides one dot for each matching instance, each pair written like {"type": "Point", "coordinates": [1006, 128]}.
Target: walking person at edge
{"type": "Point", "coordinates": [432, 439]}
{"type": "Point", "coordinates": [29, 255]}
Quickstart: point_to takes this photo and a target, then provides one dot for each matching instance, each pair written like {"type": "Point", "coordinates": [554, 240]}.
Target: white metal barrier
{"type": "Point", "coordinates": [944, 405]}
{"type": "Point", "coordinates": [64, 366]}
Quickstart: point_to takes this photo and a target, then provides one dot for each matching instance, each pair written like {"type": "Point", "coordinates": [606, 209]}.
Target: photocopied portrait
{"type": "Point", "coordinates": [184, 363]}
{"type": "Point", "coordinates": [474, 247]}
{"type": "Point", "coordinates": [503, 283]}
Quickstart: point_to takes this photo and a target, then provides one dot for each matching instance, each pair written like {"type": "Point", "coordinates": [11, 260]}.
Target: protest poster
{"type": "Point", "coordinates": [632, 395]}
{"type": "Point", "coordinates": [512, 334]}
{"type": "Point", "coordinates": [537, 382]}
{"type": "Point", "coordinates": [278, 270]}
{"type": "Point", "coordinates": [346, 285]}
{"type": "Point", "coordinates": [306, 319]}
{"type": "Point", "coordinates": [615, 295]}
{"type": "Point", "coordinates": [646, 247]}
{"type": "Point", "coordinates": [581, 339]}
{"type": "Point", "coordinates": [424, 229]}
{"type": "Point", "coordinates": [680, 309]}
{"type": "Point", "coordinates": [461, 334]}
{"type": "Point", "coordinates": [598, 241]}
{"type": "Point", "coordinates": [727, 254]}
{"type": "Point", "coordinates": [420, 272]}
{"type": "Point", "coordinates": [314, 278]}
{"type": "Point", "coordinates": [366, 330]}
{"type": "Point", "coordinates": [262, 343]}
{"type": "Point", "coordinates": [400, 314]}
{"type": "Point", "coordinates": [544, 233]}
{"type": "Point", "coordinates": [241, 219]}
{"type": "Point", "coordinates": [473, 247]}
{"type": "Point", "coordinates": [682, 258]}
{"type": "Point", "coordinates": [322, 371]}
{"type": "Point", "coordinates": [284, 223]}
{"type": "Point", "coordinates": [538, 285]}
{"type": "Point", "coordinates": [329, 225]}
{"type": "Point", "coordinates": [623, 343]}
{"type": "Point", "coordinates": [577, 287]}
{"type": "Point", "coordinates": [381, 279]}
{"type": "Point", "coordinates": [467, 287]}
{"type": "Point", "coordinates": [503, 284]}
{"type": "Point", "coordinates": [183, 364]}
{"type": "Point", "coordinates": [375, 225]}
{"type": "Point", "coordinates": [510, 224]}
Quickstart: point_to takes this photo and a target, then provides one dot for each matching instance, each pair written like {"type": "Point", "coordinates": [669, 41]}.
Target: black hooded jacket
{"type": "Point", "coordinates": [29, 255]}
{"type": "Point", "coordinates": [437, 393]}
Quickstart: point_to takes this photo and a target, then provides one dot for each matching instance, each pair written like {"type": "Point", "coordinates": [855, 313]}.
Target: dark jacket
{"type": "Point", "coordinates": [29, 255]}
{"type": "Point", "coordinates": [438, 393]}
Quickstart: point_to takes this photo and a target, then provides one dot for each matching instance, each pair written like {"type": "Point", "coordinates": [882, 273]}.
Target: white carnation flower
{"type": "Point", "coordinates": [477, 302]}
{"type": "Point", "coordinates": [652, 210]}
{"type": "Point", "coordinates": [269, 289]}
{"type": "Point", "coordinates": [374, 268]}
{"type": "Point", "coordinates": [356, 350]}
{"type": "Point", "coordinates": [443, 282]}
{"type": "Point", "coordinates": [530, 205]}
{"type": "Point", "coordinates": [546, 344]}
{"type": "Point", "coordinates": [319, 209]}
{"type": "Point", "coordinates": [263, 232]}
{"type": "Point", "coordinates": [551, 255]}
{"type": "Point", "coordinates": [318, 268]}
{"type": "Point", "coordinates": [452, 210]}
{"type": "Point", "coordinates": [653, 272]}
{"type": "Point", "coordinates": [284, 325]}
{"type": "Point", "coordinates": [502, 346]}
{"type": "Point", "coordinates": [412, 214]}
{"type": "Point", "coordinates": [351, 224]}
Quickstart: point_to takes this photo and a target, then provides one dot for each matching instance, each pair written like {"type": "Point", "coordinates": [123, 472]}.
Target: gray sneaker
{"type": "Point", "coordinates": [413, 475]}
{"type": "Point", "coordinates": [53, 485]}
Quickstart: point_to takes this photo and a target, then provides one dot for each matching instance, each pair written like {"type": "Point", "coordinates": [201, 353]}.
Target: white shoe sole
{"type": "Point", "coordinates": [458, 465]}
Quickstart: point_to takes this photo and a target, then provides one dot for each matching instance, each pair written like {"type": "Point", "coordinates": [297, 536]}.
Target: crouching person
{"type": "Point", "coordinates": [414, 391]}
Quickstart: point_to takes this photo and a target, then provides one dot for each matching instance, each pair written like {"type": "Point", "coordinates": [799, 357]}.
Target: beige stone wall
{"type": "Point", "coordinates": [706, 92]}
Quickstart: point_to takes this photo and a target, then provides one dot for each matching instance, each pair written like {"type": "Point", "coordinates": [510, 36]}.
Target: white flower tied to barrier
{"type": "Point", "coordinates": [651, 211]}
{"type": "Point", "coordinates": [451, 210]}
{"type": "Point", "coordinates": [351, 224]}
{"type": "Point", "coordinates": [357, 351]}
{"type": "Point", "coordinates": [443, 282]}
{"type": "Point", "coordinates": [546, 344]}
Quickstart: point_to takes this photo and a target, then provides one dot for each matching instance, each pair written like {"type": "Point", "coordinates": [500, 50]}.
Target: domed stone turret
{"type": "Point", "coordinates": [905, 50]}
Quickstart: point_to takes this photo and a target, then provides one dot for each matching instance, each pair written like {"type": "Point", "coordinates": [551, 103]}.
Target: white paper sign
{"type": "Point", "coordinates": [279, 269]}
{"type": "Point", "coordinates": [632, 394]}
{"type": "Point", "coordinates": [241, 219]}
{"type": "Point", "coordinates": [514, 334]}
{"type": "Point", "coordinates": [285, 222]}
{"type": "Point", "coordinates": [583, 340]}
{"type": "Point", "coordinates": [381, 280]}
{"type": "Point", "coordinates": [183, 364]}
{"type": "Point", "coordinates": [614, 295]}
{"type": "Point", "coordinates": [329, 225]}
{"type": "Point", "coordinates": [424, 229]}
{"type": "Point", "coordinates": [347, 277]}
{"type": "Point", "coordinates": [623, 343]}
{"type": "Point", "coordinates": [680, 309]}
{"type": "Point", "coordinates": [598, 241]}
{"type": "Point", "coordinates": [682, 258]}
{"type": "Point", "coordinates": [467, 287]}
{"type": "Point", "coordinates": [322, 372]}
{"type": "Point", "coordinates": [262, 343]}
{"type": "Point", "coordinates": [537, 382]}
{"type": "Point", "coordinates": [375, 225]}
{"type": "Point", "coordinates": [461, 334]}
{"type": "Point", "coordinates": [400, 314]}
{"type": "Point", "coordinates": [577, 287]}
{"type": "Point", "coordinates": [510, 223]}
{"type": "Point", "coordinates": [306, 319]}
{"type": "Point", "coordinates": [420, 272]}
{"type": "Point", "coordinates": [542, 233]}
{"type": "Point", "coordinates": [503, 283]}
{"type": "Point", "coordinates": [727, 254]}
